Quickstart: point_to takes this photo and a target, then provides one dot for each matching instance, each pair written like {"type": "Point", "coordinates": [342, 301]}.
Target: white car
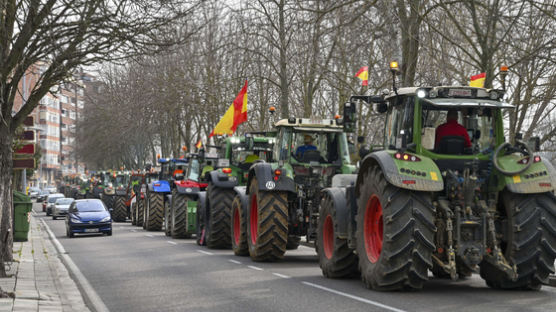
{"type": "Point", "coordinates": [51, 201]}
{"type": "Point", "coordinates": [61, 207]}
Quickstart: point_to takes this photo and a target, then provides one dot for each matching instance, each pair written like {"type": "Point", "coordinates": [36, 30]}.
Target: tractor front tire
{"type": "Point", "coordinates": [219, 204]}
{"type": "Point", "coordinates": [108, 200]}
{"type": "Point", "coordinates": [179, 215]}
{"type": "Point", "coordinates": [119, 212]}
{"type": "Point", "coordinates": [167, 219]}
{"type": "Point", "coordinates": [239, 228]}
{"type": "Point", "coordinates": [336, 259]}
{"type": "Point", "coordinates": [293, 242]}
{"type": "Point", "coordinates": [140, 205]}
{"type": "Point", "coordinates": [395, 234]}
{"type": "Point", "coordinates": [155, 212]}
{"type": "Point", "coordinates": [267, 223]}
{"type": "Point", "coordinates": [530, 242]}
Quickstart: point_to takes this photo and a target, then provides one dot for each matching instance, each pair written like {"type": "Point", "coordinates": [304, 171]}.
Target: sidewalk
{"type": "Point", "coordinates": [39, 279]}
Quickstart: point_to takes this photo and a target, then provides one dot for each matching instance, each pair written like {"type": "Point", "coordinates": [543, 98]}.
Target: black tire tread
{"type": "Point", "coordinates": [179, 216]}
{"type": "Point", "coordinates": [241, 249]}
{"type": "Point", "coordinates": [119, 212]}
{"type": "Point", "coordinates": [155, 212]}
{"type": "Point", "coordinates": [219, 203]}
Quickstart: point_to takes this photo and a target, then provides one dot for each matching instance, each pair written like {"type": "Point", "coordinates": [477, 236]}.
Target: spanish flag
{"type": "Point", "coordinates": [234, 116]}
{"type": "Point", "coordinates": [478, 81]}
{"type": "Point", "coordinates": [199, 144]}
{"type": "Point", "coordinates": [363, 74]}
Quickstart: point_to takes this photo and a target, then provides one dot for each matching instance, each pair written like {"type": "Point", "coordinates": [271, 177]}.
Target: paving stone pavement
{"type": "Point", "coordinates": [39, 279]}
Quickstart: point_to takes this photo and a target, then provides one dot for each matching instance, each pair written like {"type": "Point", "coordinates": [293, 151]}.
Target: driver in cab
{"type": "Point", "coordinates": [451, 128]}
{"type": "Point", "coordinates": [307, 146]}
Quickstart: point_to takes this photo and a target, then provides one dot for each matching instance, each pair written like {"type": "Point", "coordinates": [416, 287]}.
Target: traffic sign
{"type": "Point", "coordinates": [27, 163]}
{"type": "Point", "coordinates": [27, 149]}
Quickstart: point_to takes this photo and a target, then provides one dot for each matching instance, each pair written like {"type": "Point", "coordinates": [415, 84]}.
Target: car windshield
{"type": "Point", "coordinates": [64, 201]}
{"type": "Point", "coordinates": [90, 206]}
{"type": "Point", "coordinates": [54, 199]}
{"type": "Point", "coordinates": [45, 192]}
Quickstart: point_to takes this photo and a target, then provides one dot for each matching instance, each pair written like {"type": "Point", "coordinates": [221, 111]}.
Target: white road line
{"type": "Point", "coordinates": [234, 261]}
{"type": "Point", "coordinates": [149, 235]}
{"type": "Point", "coordinates": [205, 252]}
{"type": "Point", "coordinates": [86, 289]}
{"type": "Point", "coordinates": [377, 304]}
{"type": "Point", "coordinates": [171, 242]}
{"type": "Point", "coordinates": [281, 275]}
{"type": "Point", "coordinates": [254, 267]}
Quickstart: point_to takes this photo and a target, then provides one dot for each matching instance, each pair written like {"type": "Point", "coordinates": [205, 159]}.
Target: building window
{"type": "Point", "coordinates": [80, 104]}
{"type": "Point", "coordinates": [72, 115]}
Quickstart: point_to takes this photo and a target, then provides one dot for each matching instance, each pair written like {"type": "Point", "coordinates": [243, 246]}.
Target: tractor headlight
{"type": "Point", "coordinates": [493, 95]}
{"type": "Point", "coordinates": [421, 93]}
{"type": "Point", "coordinates": [433, 93]}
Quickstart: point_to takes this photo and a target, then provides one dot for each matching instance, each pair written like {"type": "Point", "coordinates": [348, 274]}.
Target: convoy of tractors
{"type": "Point", "coordinates": [452, 204]}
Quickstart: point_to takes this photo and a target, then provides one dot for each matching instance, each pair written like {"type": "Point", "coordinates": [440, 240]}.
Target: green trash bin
{"type": "Point", "coordinates": [22, 209]}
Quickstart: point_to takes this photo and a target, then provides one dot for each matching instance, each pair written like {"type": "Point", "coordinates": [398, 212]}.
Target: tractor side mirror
{"type": "Point", "coordinates": [382, 108]}
{"type": "Point", "coordinates": [534, 144]}
{"type": "Point", "coordinates": [477, 134]}
{"type": "Point", "coordinates": [350, 117]}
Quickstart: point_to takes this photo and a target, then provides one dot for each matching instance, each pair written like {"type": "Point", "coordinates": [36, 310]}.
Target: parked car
{"type": "Point", "coordinates": [51, 189]}
{"type": "Point", "coordinates": [50, 202]}
{"type": "Point", "coordinates": [61, 207]}
{"type": "Point", "coordinates": [88, 216]}
{"type": "Point", "coordinates": [42, 196]}
{"type": "Point", "coordinates": [34, 192]}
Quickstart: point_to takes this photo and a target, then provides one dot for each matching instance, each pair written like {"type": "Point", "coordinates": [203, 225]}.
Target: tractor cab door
{"type": "Point", "coordinates": [399, 122]}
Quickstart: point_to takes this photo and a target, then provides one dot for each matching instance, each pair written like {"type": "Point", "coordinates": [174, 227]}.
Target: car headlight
{"type": "Point", "coordinates": [106, 219]}
{"type": "Point", "coordinates": [75, 220]}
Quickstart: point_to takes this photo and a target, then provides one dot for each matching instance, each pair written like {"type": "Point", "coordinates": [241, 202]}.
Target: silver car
{"type": "Point", "coordinates": [61, 207]}
{"type": "Point", "coordinates": [51, 201]}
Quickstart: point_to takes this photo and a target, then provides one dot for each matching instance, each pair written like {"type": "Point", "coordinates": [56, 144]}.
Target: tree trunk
{"type": "Point", "coordinates": [284, 88]}
{"type": "Point", "coordinates": [6, 215]}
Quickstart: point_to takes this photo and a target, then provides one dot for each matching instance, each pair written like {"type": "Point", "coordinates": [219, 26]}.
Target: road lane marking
{"type": "Point", "coordinates": [83, 284]}
{"type": "Point", "coordinates": [377, 304]}
{"type": "Point", "coordinates": [205, 252]}
{"type": "Point", "coordinates": [234, 261]}
{"type": "Point", "coordinates": [281, 275]}
{"type": "Point", "coordinates": [254, 267]}
{"type": "Point", "coordinates": [149, 235]}
{"type": "Point", "coordinates": [171, 242]}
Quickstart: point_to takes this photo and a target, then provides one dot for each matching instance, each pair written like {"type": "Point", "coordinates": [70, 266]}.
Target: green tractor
{"type": "Point", "coordinates": [181, 211]}
{"type": "Point", "coordinates": [237, 155]}
{"type": "Point", "coordinates": [441, 199]}
{"type": "Point", "coordinates": [281, 201]}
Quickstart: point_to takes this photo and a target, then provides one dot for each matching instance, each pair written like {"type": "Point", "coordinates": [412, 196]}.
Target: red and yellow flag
{"type": "Point", "coordinates": [363, 74]}
{"type": "Point", "coordinates": [478, 81]}
{"type": "Point", "coordinates": [234, 116]}
{"type": "Point", "coordinates": [199, 144]}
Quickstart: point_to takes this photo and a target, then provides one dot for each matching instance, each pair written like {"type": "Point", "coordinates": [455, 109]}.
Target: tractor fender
{"type": "Point", "coordinates": [539, 178]}
{"type": "Point", "coordinates": [159, 186]}
{"type": "Point", "coordinates": [338, 196]}
{"type": "Point", "coordinates": [222, 180]}
{"type": "Point", "coordinates": [265, 178]}
{"type": "Point", "coordinates": [394, 177]}
{"type": "Point", "coordinates": [187, 189]}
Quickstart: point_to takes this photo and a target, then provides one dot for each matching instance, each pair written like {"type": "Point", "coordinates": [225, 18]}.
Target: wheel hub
{"type": "Point", "coordinates": [236, 226]}
{"type": "Point", "coordinates": [328, 237]}
{"type": "Point", "coordinates": [253, 223]}
{"type": "Point", "coordinates": [373, 229]}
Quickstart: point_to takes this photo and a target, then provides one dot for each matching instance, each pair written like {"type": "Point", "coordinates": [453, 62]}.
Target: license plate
{"type": "Point", "coordinates": [91, 230]}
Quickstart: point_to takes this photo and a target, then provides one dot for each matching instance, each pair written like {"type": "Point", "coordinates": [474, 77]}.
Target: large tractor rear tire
{"type": "Point", "coordinates": [201, 224]}
{"type": "Point", "coordinates": [219, 204]}
{"type": "Point", "coordinates": [336, 259]}
{"type": "Point", "coordinates": [530, 242]}
{"type": "Point", "coordinates": [119, 212]}
{"type": "Point", "coordinates": [108, 201]}
{"type": "Point", "coordinates": [154, 212]}
{"type": "Point", "coordinates": [267, 224]}
{"type": "Point", "coordinates": [395, 234]}
{"type": "Point", "coordinates": [133, 213]}
{"type": "Point", "coordinates": [179, 215]}
{"type": "Point", "coordinates": [167, 219]}
{"type": "Point", "coordinates": [140, 205]}
{"type": "Point", "coordinates": [239, 228]}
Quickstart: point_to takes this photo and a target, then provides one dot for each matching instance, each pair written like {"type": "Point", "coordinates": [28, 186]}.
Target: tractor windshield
{"type": "Point", "coordinates": [121, 180]}
{"type": "Point", "coordinates": [476, 124]}
{"type": "Point", "coordinates": [314, 146]}
{"type": "Point", "coordinates": [194, 169]}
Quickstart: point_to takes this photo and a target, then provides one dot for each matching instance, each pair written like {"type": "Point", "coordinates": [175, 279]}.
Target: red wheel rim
{"type": "Point", "coordinates": [236, 226]}
{"type": "Point", "coordinates": [328, 237]}
{"type": "Point", "coordinates": [253, 223]}
{"type": "Point", "coordinates": [373, 228]}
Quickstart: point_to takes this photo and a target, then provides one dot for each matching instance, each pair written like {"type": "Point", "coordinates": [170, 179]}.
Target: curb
{"type": "Point", "coordinates": [90, 296]}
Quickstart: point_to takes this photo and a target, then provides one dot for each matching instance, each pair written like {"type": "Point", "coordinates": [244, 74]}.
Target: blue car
{"type": "Point", "coordinates": [88, 216]}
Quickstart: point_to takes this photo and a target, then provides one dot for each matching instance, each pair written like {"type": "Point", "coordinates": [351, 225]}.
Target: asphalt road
{"type": "Point", "coordinates": [136, 270]}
